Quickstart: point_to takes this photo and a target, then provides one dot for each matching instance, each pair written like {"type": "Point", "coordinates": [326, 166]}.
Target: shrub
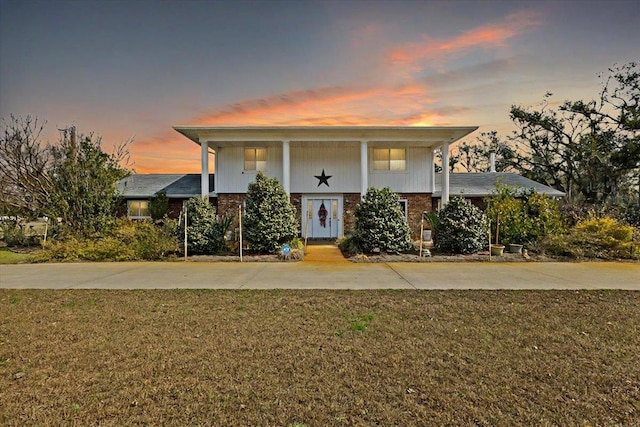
{"type": "Point", "coordinates": [461, 229]}
{"type": "Point", "coordinates": [159, 205]}
{"type": "Point", "coordinates": [127, 241]}
{"type": "Point", "coordinates": [380, 223]}
{"type": "Point", "coordinates": [632, 215]}
{"type": "Point", "coordinates": [524, 217]}
{"type": "Point", "coordinates": [12, 233]}
{"type": "Point", "coordinates": [270, 218]}
{"type": "Point", "coordinates": [205, 234]}
{"type": "Point", "coordinates": [603, 238]}
{"type": "Point", "coordinates": [348, 245]}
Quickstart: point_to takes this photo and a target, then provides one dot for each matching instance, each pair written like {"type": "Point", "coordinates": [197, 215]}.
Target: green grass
{"type": "Point", "coordinates": [10, 257]}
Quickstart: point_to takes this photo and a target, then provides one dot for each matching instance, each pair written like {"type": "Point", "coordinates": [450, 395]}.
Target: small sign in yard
{"type": "Point", "coordinates": [286, 250]}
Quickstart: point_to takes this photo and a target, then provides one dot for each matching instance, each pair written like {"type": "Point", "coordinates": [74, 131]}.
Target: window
{"type": "Point", "coordinates": [138, 209]}
{"type": "Point", "coordinates": [403, 206]}
{"type": "Point", "coordinates": [255, 159]}
{"type": "Point", "coordinates": [389, 159]}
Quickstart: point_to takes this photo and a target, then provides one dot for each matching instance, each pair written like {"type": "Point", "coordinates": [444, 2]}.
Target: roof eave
{"type": "Point", "coordinates": [433, 134]}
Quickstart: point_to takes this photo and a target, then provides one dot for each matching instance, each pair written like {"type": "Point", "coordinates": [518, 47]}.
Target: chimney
{"type": "Point", "coordinates": [492, 162]}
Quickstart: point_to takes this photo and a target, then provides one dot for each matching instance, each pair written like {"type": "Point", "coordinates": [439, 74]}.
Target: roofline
{"type": "Point", "coordinates": [432, 134]}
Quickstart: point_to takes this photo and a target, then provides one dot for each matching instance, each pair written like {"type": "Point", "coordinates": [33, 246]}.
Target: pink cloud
{"type": "Point", "coordinates": [417, 102]}
{"type": "Point", "coordinates": [484, 36]}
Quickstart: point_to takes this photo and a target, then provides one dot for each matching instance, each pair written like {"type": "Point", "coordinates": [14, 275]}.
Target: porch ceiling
{"type": "Point", "coordinates": [415, 135]}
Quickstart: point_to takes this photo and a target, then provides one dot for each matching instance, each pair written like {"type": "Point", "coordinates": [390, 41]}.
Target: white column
{"type": "Point", "coordinates": [364, 168]}
{"type": "Point", "coordinates": [216, 166]}
{"type": "Point", "coordinates": [431, 171]}
{"type": "Point", "coordinates": [286, 167]}
{"type": "Point", "coordinates": [445, 173]}
{"type": "Point", "coordinates": [204, 171]}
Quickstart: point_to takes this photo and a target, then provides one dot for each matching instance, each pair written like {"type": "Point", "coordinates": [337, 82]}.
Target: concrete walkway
{"type": "Point", "coordinates": [322, 275]}
{"type": "Point", "coordinates": [324, 254]}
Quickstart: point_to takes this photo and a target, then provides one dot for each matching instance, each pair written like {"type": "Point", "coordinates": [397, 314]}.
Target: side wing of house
{"type": "Point", "coordinates": [136, 190]}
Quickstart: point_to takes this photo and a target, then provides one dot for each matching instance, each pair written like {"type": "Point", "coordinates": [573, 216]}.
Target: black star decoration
{"type": "Point", "coordinates": [323, 179]}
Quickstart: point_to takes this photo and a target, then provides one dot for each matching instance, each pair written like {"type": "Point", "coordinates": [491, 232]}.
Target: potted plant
{"type": "Point", "coordinates": [515, 248]}
{"type": "Point", "coordinates": [497, 249]}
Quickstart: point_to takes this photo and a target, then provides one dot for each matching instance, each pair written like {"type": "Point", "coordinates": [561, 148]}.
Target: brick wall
{"type": "Point", "coordinates": [349, 203]}
{"type": "Point", "coordinates": [227, 204]}
{"type": "Point", "coordinates": [478, 202]}
{"type": "Point", "coordinates": [416, 204]}
{"type": "Point", "coordinates": [175, 207]}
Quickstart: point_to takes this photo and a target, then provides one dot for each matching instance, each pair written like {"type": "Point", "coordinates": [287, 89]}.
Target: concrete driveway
{"type": "Point", "coordinates": [322, 275]}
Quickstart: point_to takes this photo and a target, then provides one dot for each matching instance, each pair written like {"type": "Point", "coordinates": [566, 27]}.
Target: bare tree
{"type": "Point", "coordinates": [73, 179]}
{"type": "Point", "coordinates": [25, 165]}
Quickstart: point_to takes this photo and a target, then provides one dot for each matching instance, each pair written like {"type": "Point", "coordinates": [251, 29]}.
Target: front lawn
{"type": "Point", "coordinates": [319, 358]}
{"type": "Point", "coordinates": [10, 257]}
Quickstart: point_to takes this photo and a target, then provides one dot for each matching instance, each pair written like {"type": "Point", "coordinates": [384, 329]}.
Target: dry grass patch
{"type": "Point", "coordinates": [319, 358]}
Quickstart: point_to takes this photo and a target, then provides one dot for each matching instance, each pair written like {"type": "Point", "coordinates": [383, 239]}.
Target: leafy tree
{"type": "Point", "coordinates": [159, 205]}
{"type": "Point", "coordinates": [475, 157]}
{"type": "Point", "coordinates": [73, 179]}
{"type": "Point", "coordinates": [205, 234]}
{"type": "Point", "coordinates": [84, 183]}
{"type": "Point", "coordinates": [461, 228]}
{"type": "Point", "coordinates": [588, 149]}
{"type": "Point", "coordinates": [525, 216]}
{"type": "Point", "coordinates": [270, 218]}
{"type": "Point", "coordinates": [380, 223]}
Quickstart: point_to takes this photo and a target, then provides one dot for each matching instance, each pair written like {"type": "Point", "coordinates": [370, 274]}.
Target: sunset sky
{"type": "Point", "coordinates": [136, 68]}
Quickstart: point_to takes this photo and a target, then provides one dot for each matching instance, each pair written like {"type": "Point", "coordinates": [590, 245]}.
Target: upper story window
{"type": "Point", "coordinates": [138, 209]}
{"type": "Point", "coordinates": [255, 159]}
{"type": "Point", "coordinates": [389, 159]}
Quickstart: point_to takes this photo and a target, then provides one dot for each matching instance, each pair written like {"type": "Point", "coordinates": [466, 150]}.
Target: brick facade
{"type": "Point", "coordinates": [175, 207]}
{"type": "Point", "coordinates": [227, 205]}
{"type": "Point", "coordinates": [416, 204]}
{"type": "Point", "coordinates": [349, 203]}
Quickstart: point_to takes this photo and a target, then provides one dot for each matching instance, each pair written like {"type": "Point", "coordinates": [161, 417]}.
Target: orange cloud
{"type": "Point", "coordinates": [416, 102]}
{"type": "Point", "coordinates": [485, 36]}
{"type": "Point", "coordinates": [281, 107]}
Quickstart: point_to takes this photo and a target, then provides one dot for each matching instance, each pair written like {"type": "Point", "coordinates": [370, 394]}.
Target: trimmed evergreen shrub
{"type": "Point", "coordinates": [270, 218]}
{"type": "Point", "coordinates": [461, 229]}
{"type": "Point", "coordinates": [205, 234]}
{"type": "Point", "coordinates": [380, 223]}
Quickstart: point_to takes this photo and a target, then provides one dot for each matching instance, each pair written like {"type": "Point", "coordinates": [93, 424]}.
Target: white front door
{"type": "Point", "coordinates": [323, 217]}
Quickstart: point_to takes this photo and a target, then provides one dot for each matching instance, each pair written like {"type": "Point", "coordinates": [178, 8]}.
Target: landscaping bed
{"type": "Point", "coordinates": [316, 358]}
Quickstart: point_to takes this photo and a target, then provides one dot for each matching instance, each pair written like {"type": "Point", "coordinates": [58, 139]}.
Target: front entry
{"type": "Point", "coordinates": [323, 216]}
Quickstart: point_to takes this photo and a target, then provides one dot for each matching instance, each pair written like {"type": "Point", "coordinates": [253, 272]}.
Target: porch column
{"type": "Point", "coordinates": [204, 174]}
{"type": "Point", "coordinates": [431, 171]}
{"type": "Point", "coordinates": [364, 169]}
{"type": "Point", "coordinates": [216, 166]}
{"type": "Point", "coordinates": [445, 173]}
{"type": "Point", "coordinates": [286, 167]}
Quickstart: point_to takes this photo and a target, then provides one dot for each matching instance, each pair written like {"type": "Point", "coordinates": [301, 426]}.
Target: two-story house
{"type": "Point", "coordinates": [326, 170]}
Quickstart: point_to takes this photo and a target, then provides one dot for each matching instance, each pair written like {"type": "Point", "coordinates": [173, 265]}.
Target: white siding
{"type": "Point", "coordinates": [415, 179]}
{"type": "Point", "coordinates": [231, 175]}
{"type": "Point", "coordinates": [341, 160]}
